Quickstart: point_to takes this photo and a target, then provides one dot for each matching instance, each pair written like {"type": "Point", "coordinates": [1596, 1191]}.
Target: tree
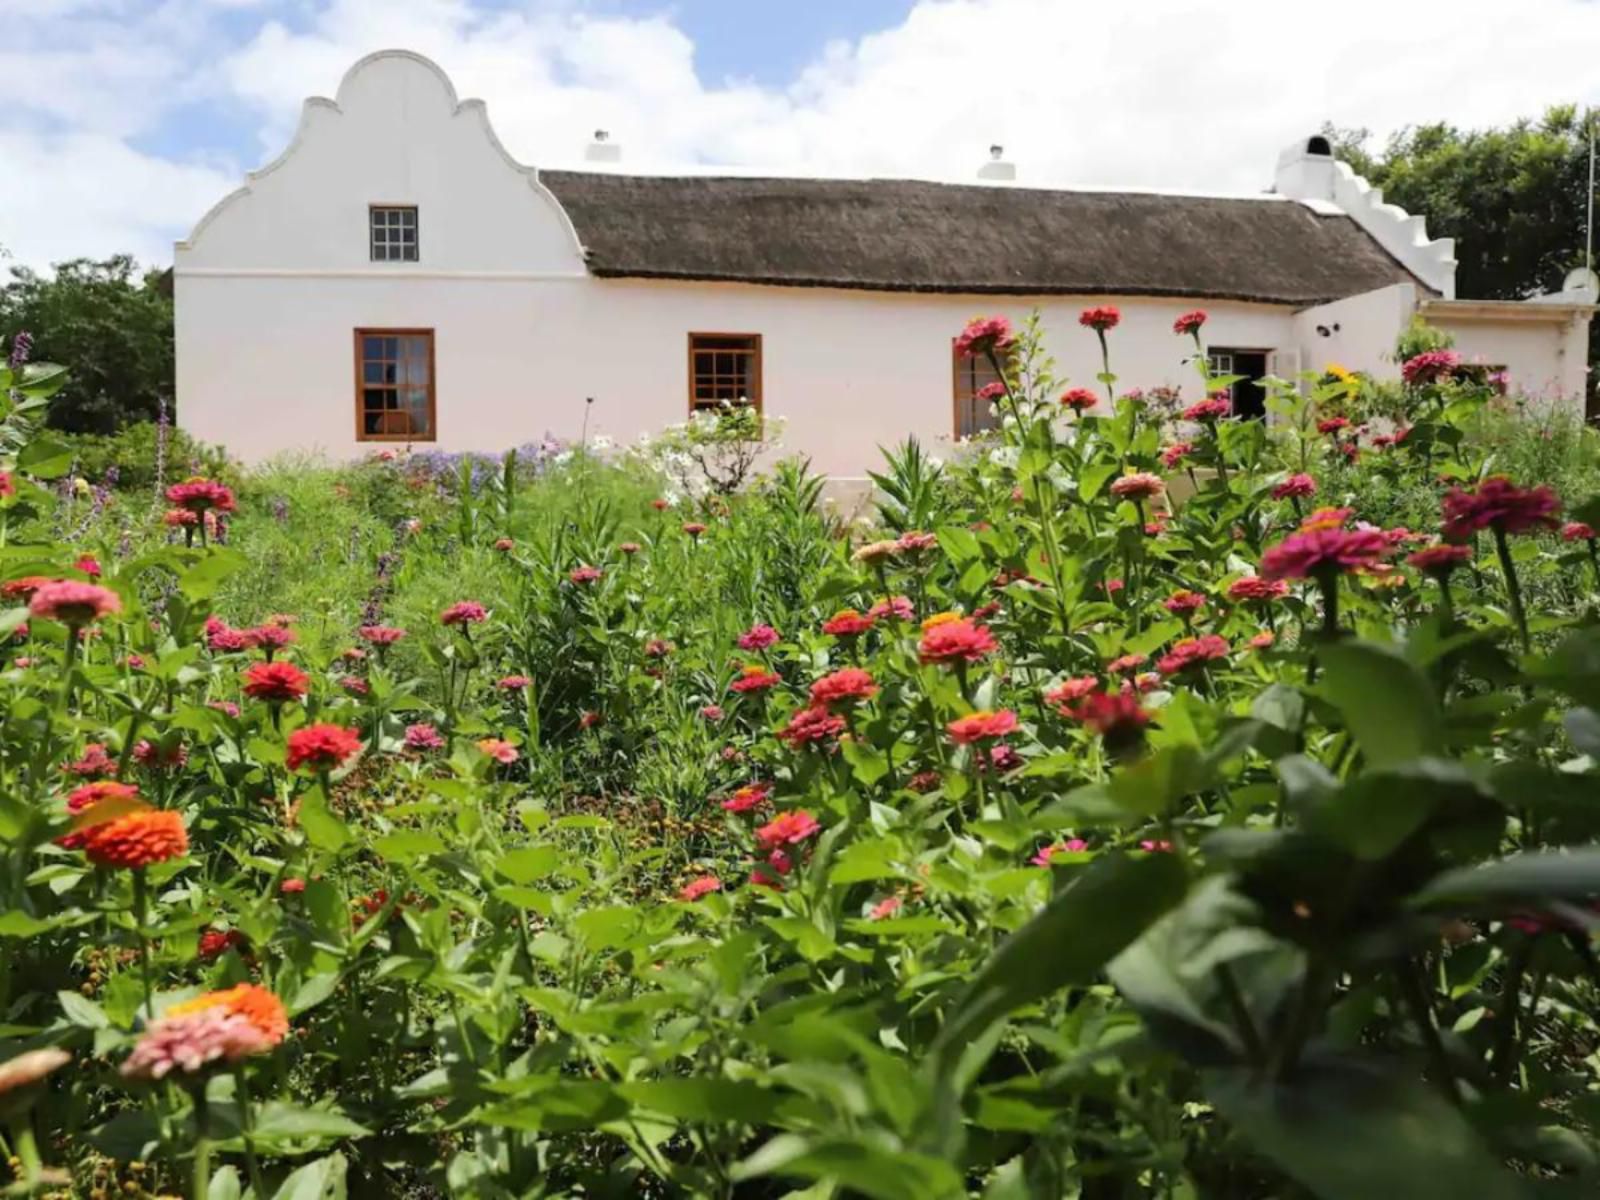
{"type": "Point", "coordinates": [111, 325]}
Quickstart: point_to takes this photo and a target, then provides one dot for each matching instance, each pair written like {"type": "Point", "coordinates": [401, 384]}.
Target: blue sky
{"type": "Point", "coordinates": [122, 121]}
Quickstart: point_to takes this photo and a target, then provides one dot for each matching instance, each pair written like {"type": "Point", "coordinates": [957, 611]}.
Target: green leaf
{"type": "Point", "coordinates": [320, 1180]}
{"type": "Point", "coordinates": [867, 763]}
{"type": "Point", "coordinates": [408, 846]}
{"type": "Point", "coordinates": [224, 1185]}
{"type": "Point", "coordinates": [1351, 1133]}
{"type": "Point", "coordinates": [82, 1011]}
{"type": "Point", "coordinates": [313, 992]}
{"type": "Point", "coordinates": [278, 1121]}
{"type": "Point", "coordinates": [604, 928]}
{"type": "Point", "coordinates": [700, 1099]}
{"type": "Point", "coordinates": [1386, 702]}
{"type": "Point", "coordinates": [1082, 928]}
{"type": "Point", "coordinates": [322, 825]}
{"type": "Point", "coordinates": [45, 458]}
{"type": "Point", "coordinates": [870, 1168]}
{"type": "Point", "coordinates": [201, 581]}
{"type": "Point", "coordinates": [1522, 877]}
{"type": "Point", "coordinates": [1092, 478]}
{"type": "Point", "coordinates": [16, 923]}
{"type": "Point", "coordinates": [873, 858]}
{"type": "Point", "coordinates": [1374, 813]}
{"type": "Point", "coordinates": [529, 863]}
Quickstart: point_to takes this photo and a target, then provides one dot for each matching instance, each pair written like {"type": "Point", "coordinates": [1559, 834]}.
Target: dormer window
{"type": "Point", "coordinates": [393, 233]}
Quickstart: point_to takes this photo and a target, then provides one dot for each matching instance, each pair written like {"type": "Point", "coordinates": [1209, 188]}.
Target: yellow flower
{"type": "Point", "coordinates": [942, 618]}
{"type": "Point", "coordinates": [1342, 374]}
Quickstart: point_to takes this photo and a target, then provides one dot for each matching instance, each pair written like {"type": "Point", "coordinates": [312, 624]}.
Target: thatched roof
{"type": "Point", "coordinates": [902, 235]}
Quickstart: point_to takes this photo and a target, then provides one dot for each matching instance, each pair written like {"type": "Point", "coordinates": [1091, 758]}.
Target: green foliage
{"type": "Point", "coordinates": [636, 887]}
{"type": "Point", "coordinates": [113, 326]}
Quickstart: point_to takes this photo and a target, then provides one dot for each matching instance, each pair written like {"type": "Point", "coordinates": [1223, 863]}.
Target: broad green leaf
{"type": "Point", "coordinates": [323, 827]}
{"type": "Point", "coordinates": [45, 458]}
{"type": "Point", "coordinates": [320, 1180]}
{"type": "Point", "coordinates": [1522, 877]}
{"type": "Point", "coordinates": [408, 846]}
{"type": "Point", "coordinates": [225, 1184]}
{"type": "Point", "coordinates": [1348, 1132]}
{"type": "Point", "coordinates": [873, 858]}
{"type": "Point", "coordinates": [1387, 703]}
{"type": "Point", "coordinates": [529, 863]}
{"type": "Point", "coordinates": [313, 992]}
{"type": "Point", "coordinates": [869, 1168]}
{"type": "Point", "coordinates": [604, 928]}
{"type": "Point", "coordinates": [1068, 942]}
{"type": "Point", "coordinates": [201, 581]}
{"type": "Point", "coordinates": [1373, 813]}
{"type": "Point", "coordinates": [703, 1099]}
{"type": "Point", "coordinates": [278, 1121]}
{"type": "Point", "coordinates": [82, 1011]}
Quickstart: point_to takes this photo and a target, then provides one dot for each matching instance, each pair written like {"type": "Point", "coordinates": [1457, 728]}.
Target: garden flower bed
{"type": "Point", "coordinates": [462, 828]}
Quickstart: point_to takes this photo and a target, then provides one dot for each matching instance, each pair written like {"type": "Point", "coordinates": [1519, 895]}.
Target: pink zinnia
{"type": "Point", "coordinates": [751, 795]}
{"type": "Point", "coordinates": [584, 574]}
{"type": "Point", "coordinates": [423, 736]}
{"type": "Point", "coordinates": [499, 750]}
{"type": "Point", "coordinates": [73, 603]}
{"type": "Point", "coordinates": [1126, 663]}
{"type": "Point", "coordinates": [956, 641]}
{"type": "Point", "coordinates": [1046, 853]}
{"type": "Point", "coordinates": [847, 622]}
{"type": "Point", "coordinates": [1068, 692]}
{"type": "Point", "coordinates": [1118, 717]}
{"type": "Point", "coordinates": [990, 392]}
{"type": "Point", "coordinates": [694, 529]}
{"type": "Point", "coordinates": [1139, 486]}
{"type": "Point", "coordinates": [884, 908]}
{"type": "Point", "coordinates": [382, 635]}
{"type": "Point", "coordinates": [201, 495]}
{"type": "Point", "coordinates": [899, 607]}
{"type": "Point", "coordinates": [513, 683]}
{"type": "Point", "coordinates": [1577, 531]}
{"type": "Point", "coordinates": [1497, 504]}
{"type": "Point", "coordinates": [712, 712]}
{"type": "Point", "coordinates": [1297, 485]}
{"type": "Point", "coordinates": [1440, 559]}
{"type": "Point", "coordinates": [1429, 366]}
{"type": "Point", "coordinates": [1322, 553]}
{"type": "Point", "coordinates": [464, 612]}
{"type": "Point", "coordinates": [1184, 603]}
{"type": "Point", "coordinates": [984, 335]}
{"type": "Point", "coordinates": [95, 761]}
{"type": "Point", "coordinates": [192, 1041]}
{"type": "Point", "coordinates": [758, 637]}
{"type": "Point", "coordinates": [755, 678]}
{"type": "Point", "coordinates": [1176, 453]}
{"type": "Point", "coordinates": [1207, 410]}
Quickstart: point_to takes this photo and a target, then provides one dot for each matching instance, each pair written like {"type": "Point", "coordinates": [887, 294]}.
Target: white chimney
{"type": "Point", "coordinates": [997, 168]}
{"type": "Point", "coordinates": [1306, 170]}
{"type": "Point", "coordinates": [602, 149]}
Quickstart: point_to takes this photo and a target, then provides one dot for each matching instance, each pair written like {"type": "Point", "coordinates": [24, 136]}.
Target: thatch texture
{"type": "Point", "coordinates": [901, 235]}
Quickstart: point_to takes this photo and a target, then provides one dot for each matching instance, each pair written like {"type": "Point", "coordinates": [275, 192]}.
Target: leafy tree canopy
{"type": "Point", "coordinates": [111, 323]}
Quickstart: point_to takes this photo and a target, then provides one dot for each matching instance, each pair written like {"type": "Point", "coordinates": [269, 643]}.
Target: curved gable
{"type": "Point", "coordinates": [395, 135]}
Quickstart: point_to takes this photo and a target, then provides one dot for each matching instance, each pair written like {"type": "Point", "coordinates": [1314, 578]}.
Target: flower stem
{"type": "Point", "coordinates": [141, 907]}
{"type": "Point", "coordinates": [1513, 587]}
{"type": "Point", "coordinates": [202, 1143]}
{"type": "Point", "coordinates": [247, 1122]}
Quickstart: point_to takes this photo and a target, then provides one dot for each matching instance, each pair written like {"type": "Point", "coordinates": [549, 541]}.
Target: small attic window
{"type": "Point", "coordinates": [1317, 144]}
{"type": "Point", "coordinates": [393, 233]}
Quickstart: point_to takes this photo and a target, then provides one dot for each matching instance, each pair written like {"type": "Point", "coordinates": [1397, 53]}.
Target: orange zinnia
{"type": "Point", "coordinates": [248, 1000]}
{"type": "Point", "coordinates": [135, 839]}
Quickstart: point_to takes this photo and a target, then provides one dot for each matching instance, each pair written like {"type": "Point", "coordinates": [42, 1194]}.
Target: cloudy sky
{"type": "Point", "coordinates": [121, 121]}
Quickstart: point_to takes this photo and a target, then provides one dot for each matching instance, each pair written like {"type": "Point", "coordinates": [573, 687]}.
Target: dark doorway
{"type": "Point", "coordinates": [1249, 397]}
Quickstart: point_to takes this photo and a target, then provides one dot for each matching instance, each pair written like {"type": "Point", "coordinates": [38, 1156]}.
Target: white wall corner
{"type": "Point", "coordinates": [1308, 171]}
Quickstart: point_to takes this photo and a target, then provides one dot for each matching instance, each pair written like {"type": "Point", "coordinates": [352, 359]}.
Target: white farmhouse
{"type": "Point", "coordinates": [397, 277]}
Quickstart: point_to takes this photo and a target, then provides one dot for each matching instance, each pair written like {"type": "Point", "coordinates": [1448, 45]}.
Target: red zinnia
{"type": "Point", "coordinates": [758, 637]}
{"type": "Point", "coordinates": [1254, 588]}
{"type": "Point", "coordinates": [24, 588]}
{"type": "Point", "coordinates": [1429, 366]}
{"type": "Point", "coordinates": [787, 829]}
{"type": "Point", "coordinates": [755, 678]}
{"type": "Point", "coordinates": [812, 726]}
{"type": "Point", "coordinates": [275, 681]}
{"type": "Point", "coordinates": [1115, 716]}
{"type": "Point", "coordinates": [1333, 424]}
{"type": "Point", "coordinates": [1079, 400]}
{"type": "Point", "coordinates": [1501, 505]}
{"type": "Point", "coordinates": [584, 574]}
{"type": "Point", "coordinates": [321, 747]}
{"type": "Point", "coordinates": [1126, 663]}
{"type": "Point", "coordinates": [851, 683]}
{"type": "Point", "coordinates": [847, 622]}
{"type": "Point", "coordinates": [694, 528]}
{"type": "Point", "coordinates": [214, 943]}
{"type": "Point", "coordinates": [1176, 453]}
{"type": "Point", "coordinates": [1100, 318]}
{"type": "Point", "coordinates": [696, 888]}
{"type": "Point", "coordinates": [1323, 552]}
{"type": "Point", "coordinates": [751, 795]}
{"type": "Point", "coordinates": [1576, 531]}
{"type": "Point", "coordinates": [1190, 322]}
{"type": "Point", "coordinates": [981, 725]}
{"type": "Point", "coordinates": [1068, 692]}
{"type": "Point", "coordinates": [199, 495]}
{"type": "Point", "coordinates": [984, 335]}
{"type": "Point", "coordinates": [513, 683]}
{"type": "Point", "coordinates": [958, 640]}
{"type": "Point", "coordinates": [382, 635]}
{"type": "Point", "coordinates": [1299, 484]}
{"type": "Point", "coordinates": [1440, 559]}
{"type": "Point", "coordinates": [95, 761]}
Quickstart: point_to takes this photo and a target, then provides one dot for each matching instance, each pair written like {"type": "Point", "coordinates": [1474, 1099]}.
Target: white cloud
{"type": "Point", "coordinates": [1178, 93]}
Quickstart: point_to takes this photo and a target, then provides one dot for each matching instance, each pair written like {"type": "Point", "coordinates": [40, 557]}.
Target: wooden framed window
{"type": "Point", "coordinates": [392, 233]}
{"type": "Point", "coordinates": [724, 368]}
{"type": "Point", "coordinates": [972, 414]}
{"type": "Point", "coordinates": [395, 385]}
